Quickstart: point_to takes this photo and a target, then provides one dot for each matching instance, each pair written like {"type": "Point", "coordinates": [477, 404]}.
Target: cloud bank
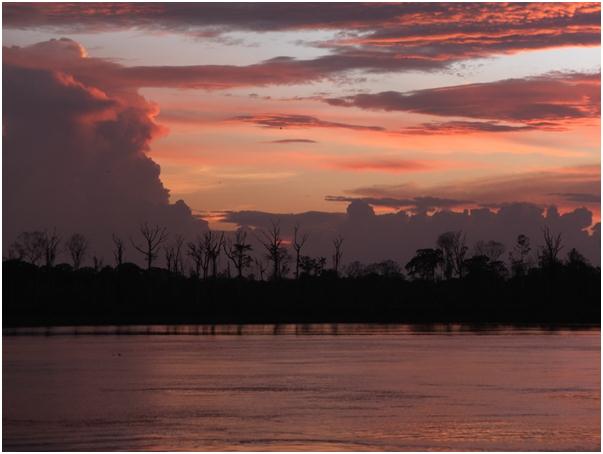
{"type": "Point", "coordinates": [74, 157]}
{"type": "Point", "coordinates": [369, 237]}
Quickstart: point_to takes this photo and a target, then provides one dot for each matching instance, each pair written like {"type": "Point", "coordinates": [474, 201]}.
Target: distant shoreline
{"type": "Point", "coordinates": [556, 295]}
{"type": "Point", "coordinates": [204, 329]}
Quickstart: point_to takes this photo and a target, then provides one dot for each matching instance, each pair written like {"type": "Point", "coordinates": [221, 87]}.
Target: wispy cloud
{"type": "Point", "coordinates": [298, 121]}
{"type": "Point", "coordinates": [285, 141]}
{"type": "Point", "coordinates": [469, 127]}
{"type": "Point", "coordinates": [377, 164]}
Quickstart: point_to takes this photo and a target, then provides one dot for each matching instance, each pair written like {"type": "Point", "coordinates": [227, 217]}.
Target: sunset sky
{"type": "Point", "coordinates": [290, 108]}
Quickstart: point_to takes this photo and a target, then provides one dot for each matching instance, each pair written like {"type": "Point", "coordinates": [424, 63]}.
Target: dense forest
{"type": "Point", "coordinates": [450, 282]}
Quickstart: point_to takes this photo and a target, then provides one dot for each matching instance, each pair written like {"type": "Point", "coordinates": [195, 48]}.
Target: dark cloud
{"type": "Point", "coordinates": [210, 18]}
{"type": "Point", "coordinates": [579, 197]}
{"type": "Point", "coordinates": [293, 141]}
{"type": "Point", "coordinates": [408, 33]}
{"type": "Point", "coordinates": [369, 237]}
{"type": "Point", "coordinates": [299, 121]}
{"type": "Point", "coordinates": [538, 101]}
{"type": "Point", "coordinates": [468, 127]}
{"type": "Point", "coordinates": [373, 37]}
{"type": "Point", "coordinates": [417, 204]}
{"type": "Point", "coordinates": [67, 55]}
{"type": "Point", "coordinates": [539, 187]}
{"type": "Point", "coordinates": [74, 158]}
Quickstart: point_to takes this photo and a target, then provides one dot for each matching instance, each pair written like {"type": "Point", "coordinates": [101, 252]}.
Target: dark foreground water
{"type": "Point", "coordinates": [324, 388]}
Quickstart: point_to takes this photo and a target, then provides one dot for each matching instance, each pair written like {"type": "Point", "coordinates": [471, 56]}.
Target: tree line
{"type": "Point", "coordinates": [280, 283]}
{"type": "Point", "coordinates": [450, 258]}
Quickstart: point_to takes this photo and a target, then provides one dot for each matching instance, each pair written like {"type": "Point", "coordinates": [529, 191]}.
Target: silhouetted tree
{"type": "Point", "coordinates": [77, 246]}
{"type": "Point", "coordinates": [98, 263]}
{"type": "Point", "coordinates": [445, 244]}
{"type": "Point", "coordinates": [169, 257]}
{"type": "Point", "coordinates": [261, 267]}
{"type": "Point", "coordinates": [196, 250]}
{"type": "Point", "coordinates": [51, 245]}
{"type": "Point", "coordinates": [310, 266]}
{"type": "Point", "coordinates": [29, 246]}
{"type": "Point", "coordinates": [173, 255]}
{"type": "Point", "coordinates": [477, 266]}
{"type": "Point", "coordinates": [480, 267]}
{"type": "Point", "coordinates": [491, 249]}
{"type": "Point", "coordinates": [276, 253]}
{"type": "Point", "coordinates": [576, 260]}
{"type": "Point", "coordinates": [337, 253]}
{"type": "Point", "coordinates": [355, 270]}
{"type": "Point", "coordinates": [549, 252]}
{"type": "Point", "coordinates": [118, 251]}
{"type": "Point", "coordinates": [298, 244]}
{"type": "Point", "coordinates": [425, 263]}
{"type": "Point", "coordinates": [454, 249]}
{"type": "Point", "coordinates": [153, 237]}
{"type": "Point", "coordinates": [386, 268]}
{"type": "Point", "coordinates": [519, 256]}
{"type": "Point", "coordinates": [238, 252]}
{"type": "Point", "coordinates": [212, 244]}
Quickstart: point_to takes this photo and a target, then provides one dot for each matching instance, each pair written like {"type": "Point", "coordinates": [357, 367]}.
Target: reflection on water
{"type": "Point", "coordinates": [396, 389]}
{"type": "Point", "coordinates": [305, 329]}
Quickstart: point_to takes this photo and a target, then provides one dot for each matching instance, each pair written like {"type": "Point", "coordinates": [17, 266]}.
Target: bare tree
{"type": "Point", "coordinates": [77, 246]}
{"type": "Point", "coordinates": [205, 251]}
{"type": "Point", "coordinates": [261, 266]}
{"type": "Point", "coordinates": [51, 245]}
{"type": "Point", "coordinates": [169, 257]}
{"type": "Point", "coordinates": [119, 248]}
{"type": "Point", "coordinates": [196, 251]}
{"type": "Point", "coordinates": [298, 244]}
{"type": "Point", "coordinates": [276, 253]}
{"type": "Point", "coordinates": [153, 237]}
{"type": "Point", "coordinates": [98, 262]}
{"type": "Point", "coordinates": [238, 252]}
{"type": "Point", "coordinates": [519, 256]}
{"type": "Point", "coordinates": [212, 244]}
{"type": "Point", "coordinates": [29, 246]}
{"type": "Point", "coordinates": [454, 250]}
{"type": "Point", "coordinates": [337, 253]}
{"type": "Point", "coordinates": [549, 253]}
{"type": "Point", "coordinates": [173, 255]}
{"type": "Point", "coordinates": [179, 258]}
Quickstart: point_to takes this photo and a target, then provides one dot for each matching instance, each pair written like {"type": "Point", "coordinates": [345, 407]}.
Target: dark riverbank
{"type": "Point", "coordinates": [39, 296]}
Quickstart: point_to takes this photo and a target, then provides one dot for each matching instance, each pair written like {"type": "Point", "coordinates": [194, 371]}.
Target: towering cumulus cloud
{"type": "Point", "coordinates": [75, 154]}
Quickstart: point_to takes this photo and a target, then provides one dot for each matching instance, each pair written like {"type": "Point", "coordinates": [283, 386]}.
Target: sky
{"type": "Point", "coordinates": [218, 109]}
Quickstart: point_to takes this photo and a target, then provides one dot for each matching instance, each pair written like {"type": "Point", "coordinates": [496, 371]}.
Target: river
{"type": "Point", "coordinates": [325, 387]}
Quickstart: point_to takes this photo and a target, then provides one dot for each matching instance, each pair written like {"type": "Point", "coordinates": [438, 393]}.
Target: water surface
{"type": "Point", "coordinates": [324, 388]}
